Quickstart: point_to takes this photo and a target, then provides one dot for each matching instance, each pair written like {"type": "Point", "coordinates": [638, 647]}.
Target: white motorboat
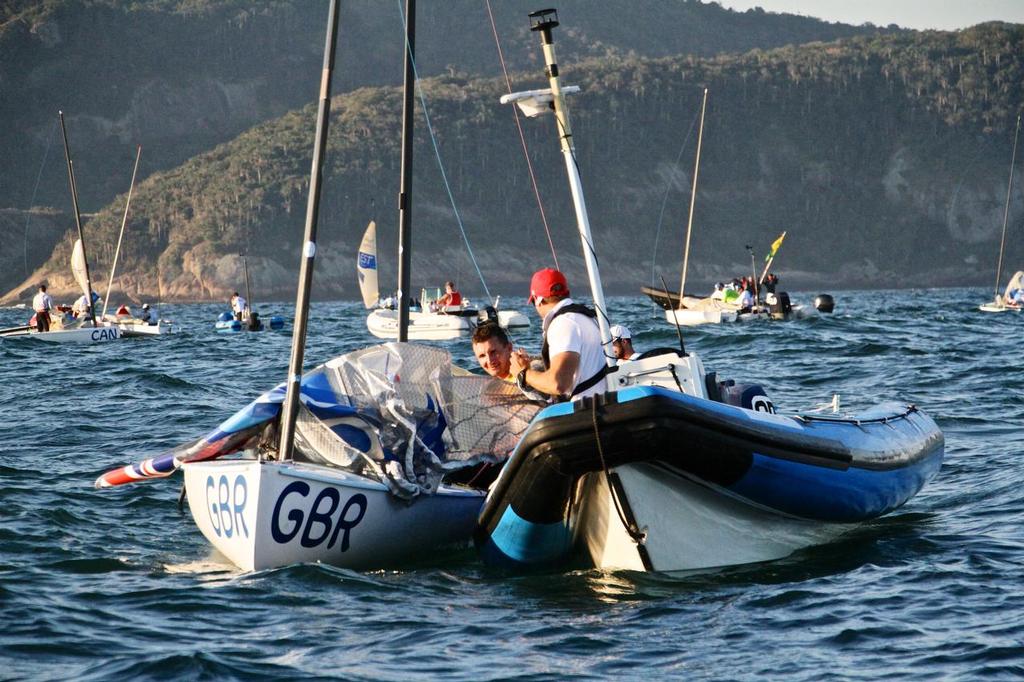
{"type": "Point", "coordinates": [674, 470]}
{"type": "Point", "coordinates": [452, 322]}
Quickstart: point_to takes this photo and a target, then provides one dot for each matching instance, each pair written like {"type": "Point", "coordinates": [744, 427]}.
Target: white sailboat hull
{"type": "Point", "coordinates": [266, 514]}
{"type": "Point", "coordinates": [422, 326]}
{"type": "Point", "coordinates": [513, 319]}
{"type": "Point", "coordinates": [77, 335]}
{"type": "Point", "coordinates": [690, 318]}
{"type": "Point", "coordinates": [687, 525]}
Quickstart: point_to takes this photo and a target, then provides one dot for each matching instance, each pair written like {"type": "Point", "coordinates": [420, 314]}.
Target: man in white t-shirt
{"type": "Point", "coordinates": [574, 359]}
{"type": "Point", "coordinates": [239, 306]}
{"type": "Point", "coordinates": [41, 304]}
{"type": "Point", "coordinates": [622, 343]}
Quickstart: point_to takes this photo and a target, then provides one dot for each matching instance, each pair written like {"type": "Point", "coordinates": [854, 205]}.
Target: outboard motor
{"type": "Point", "coordinates": [824, 303]}
{"type": "Point", "coordinates": [748, 396]}
{"type": "Point", "coordinates": [488, 314]}
{"type": "Point", "coordinates": [779, 305]}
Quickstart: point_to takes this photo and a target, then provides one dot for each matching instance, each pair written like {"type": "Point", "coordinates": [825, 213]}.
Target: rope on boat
{"type": "Point", "coordinates": [637, 535]}
{"type": "Point", "coordinates": [852, 420]}
{"type": "Point", "coordinates": [440, 163]}
{"type": "Point", "coordinates": [664, 201]}
{"type": "Point", "coordinates": [522, 137]}
{"type": "Point", "coordinates": [32, 202]}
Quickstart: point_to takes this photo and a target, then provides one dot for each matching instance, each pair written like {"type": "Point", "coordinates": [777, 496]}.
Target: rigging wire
{"type": "Point", "coordinates": [440, 163]}
{"type": "Point", "coordinates": [31, 203]}
{"type": "Point", "coordinates": [522, 136]}
{"type": "Point", "coordinates": [664, 199]}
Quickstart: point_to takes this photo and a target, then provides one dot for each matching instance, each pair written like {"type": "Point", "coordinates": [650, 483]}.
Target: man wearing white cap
{"type": "Point", "coordinates": [622, 344]}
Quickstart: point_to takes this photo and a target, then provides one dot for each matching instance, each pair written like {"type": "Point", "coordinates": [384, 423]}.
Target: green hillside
{"type": "Point", "coordinates": [885, 157]}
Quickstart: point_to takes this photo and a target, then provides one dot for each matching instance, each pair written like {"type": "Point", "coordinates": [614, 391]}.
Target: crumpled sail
{"type": "Point", "coordinates": [366, 266]}
{"type": "Point", "coordinates": [397, 412]}
{"type": "Point", "coordinates": [78, 267]}
{"type": "Point", "coordinates": [1016, 282]}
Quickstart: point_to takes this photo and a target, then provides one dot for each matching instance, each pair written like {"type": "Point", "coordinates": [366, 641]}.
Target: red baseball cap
{"type": "Point", "coordinates": [547, 282]}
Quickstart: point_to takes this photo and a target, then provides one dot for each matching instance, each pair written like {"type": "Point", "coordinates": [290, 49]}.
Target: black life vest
{"type": "Point", "coordinates": [545, 353]}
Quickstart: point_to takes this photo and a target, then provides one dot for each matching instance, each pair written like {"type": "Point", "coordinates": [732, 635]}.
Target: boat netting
{"type": "Point", "coordinates": [404, 414]}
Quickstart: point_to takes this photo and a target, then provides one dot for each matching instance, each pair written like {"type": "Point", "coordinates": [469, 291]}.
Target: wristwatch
{"type": "Point", "coordinates": [521, 379]}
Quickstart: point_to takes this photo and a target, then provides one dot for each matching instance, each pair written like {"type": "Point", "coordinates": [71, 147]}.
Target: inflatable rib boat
{"type": "Point", "coordinates": [650, 478]}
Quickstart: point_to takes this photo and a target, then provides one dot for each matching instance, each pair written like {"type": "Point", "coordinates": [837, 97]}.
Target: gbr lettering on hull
{"type": "Point", "coordinates": [325, 519]}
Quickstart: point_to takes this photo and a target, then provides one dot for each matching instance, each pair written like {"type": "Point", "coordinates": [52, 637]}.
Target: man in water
{"type": "Point", "coordinates": [622, 343]}
{"type": "Point", "coordinates": [493, 351]}
{"type": "Point", "coordinates": [574, 359]}
{"type": "Point", "coordinates": [42, 303]}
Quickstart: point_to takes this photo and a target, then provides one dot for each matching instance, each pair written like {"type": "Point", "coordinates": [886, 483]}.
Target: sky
{"type": "Point", "coordinates": [945, 15]}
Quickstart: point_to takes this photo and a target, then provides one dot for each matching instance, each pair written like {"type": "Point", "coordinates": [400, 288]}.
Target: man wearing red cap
{"type": "Point", "coordinates": [573, 357]}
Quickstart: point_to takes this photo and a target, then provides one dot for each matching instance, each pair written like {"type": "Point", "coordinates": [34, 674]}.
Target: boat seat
{"type": "Point", "coordinates": [665, 350]}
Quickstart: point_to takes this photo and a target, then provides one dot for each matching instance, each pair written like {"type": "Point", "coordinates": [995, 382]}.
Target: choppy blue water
{"type": "Point", "coordinates": [119, 584]}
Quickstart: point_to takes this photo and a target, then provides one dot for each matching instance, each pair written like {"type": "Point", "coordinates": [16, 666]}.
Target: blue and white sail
{"type": "Point", "coordinates": [366, 266]}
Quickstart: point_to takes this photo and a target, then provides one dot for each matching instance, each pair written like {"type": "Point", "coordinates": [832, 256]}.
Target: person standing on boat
{"type": "Point", "coordinates": [493, 350]}
{"type": "Point", "coordinates": [239, 306]}
{"type": "Point", "coordinates": [147, 314]}
{"type": "Point", "coordinates": [451, 297]}
{"type": "Point", "coordinates": [574, 361]}
{"type": "Point", "coordinates": [622, 343]}
{"type": "Point", "coordinates": [746, 299]}
{"type": "Point", "coordinates": [42, 303]}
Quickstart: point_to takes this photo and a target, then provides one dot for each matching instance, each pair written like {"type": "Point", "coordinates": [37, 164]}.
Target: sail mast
{"type": "Point", "coordinates": [290, 409]}
{"type": "Point", "coordinates": [124, 221]}
{"type": "Point", "coordinates": [1006, 210]}
{"type": "Point", "coordinates": [542, 22]}
{"type": "Point", "coordinates": [405, 189]}
{"type": "Point", "coordinates": [693, 200]}
{"type": "Point", "coordinates": [78, 219]}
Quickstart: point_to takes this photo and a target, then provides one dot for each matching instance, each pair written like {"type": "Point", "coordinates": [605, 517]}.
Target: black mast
{"type": "Point", "coordinates": [78, 218]}
{"type": "Point", "coordinates": [290, 409]}
{"type": "Point", "coordinates": [405, 190]}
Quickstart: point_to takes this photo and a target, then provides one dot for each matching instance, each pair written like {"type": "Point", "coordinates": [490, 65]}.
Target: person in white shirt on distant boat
{"type": "Point", "coordinates": [622, 343]}
{"type": "Point", "coordinates": [745, 300]}
{"type": "Point", "coordinates": [573, 356]}
{"type": "Point", "coordinates": [239, 306]}
{"type": "Point", "coordinates": [41, 304]}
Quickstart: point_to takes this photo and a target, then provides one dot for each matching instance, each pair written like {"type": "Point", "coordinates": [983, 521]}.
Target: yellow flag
{"type": "Point", "coordinates": [775, 247]}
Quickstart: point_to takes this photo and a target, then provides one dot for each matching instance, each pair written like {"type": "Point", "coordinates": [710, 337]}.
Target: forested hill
{"type": "Point", "coordinates": [885, 158]}
{"type": "Point", "coordinates": [181, 76]}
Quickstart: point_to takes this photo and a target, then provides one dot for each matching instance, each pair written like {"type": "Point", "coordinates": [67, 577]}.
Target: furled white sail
{"type": "Point", "coordinates": [367, 266]}
{"type": "Point", "coordinates": [78, 267]}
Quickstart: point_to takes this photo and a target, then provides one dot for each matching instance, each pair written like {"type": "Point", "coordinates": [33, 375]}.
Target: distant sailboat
{"type": "Point", "coordinates": [1002, 303]}
{"type": "Point", "coordinates": [366, 266]}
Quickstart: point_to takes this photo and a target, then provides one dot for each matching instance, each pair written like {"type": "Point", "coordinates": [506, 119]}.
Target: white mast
{"type": "Point", "coordinates": [693, 200]}
{"type": "Point", "coordinates": [124, 221]}
{"type": "Point", "coordinates": [543, 21]}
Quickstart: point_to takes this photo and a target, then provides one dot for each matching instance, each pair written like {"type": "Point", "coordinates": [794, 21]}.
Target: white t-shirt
{"type": "Point", "coordinates": [578, 334]}
{"type": "Point", "coordinates": [746, 299]}
{"type": "Point", "coordinates": [41, 302]}
{"type": "Point", "coordinates": [239, 304]}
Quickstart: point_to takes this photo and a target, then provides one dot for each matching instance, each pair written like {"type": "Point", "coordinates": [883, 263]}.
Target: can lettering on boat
{"type": "Point", "coordinates": [104, 334]}
{"type": "Point", "coordinates": [319, 524]}
{"type": "Point", "coordinates": [227, 505]}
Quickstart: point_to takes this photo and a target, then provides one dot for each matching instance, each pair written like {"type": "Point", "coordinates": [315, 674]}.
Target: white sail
{"type": "Point", "coordinates": [366, 266]}
{"type": "Point", "coordinates": [78, 267]}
